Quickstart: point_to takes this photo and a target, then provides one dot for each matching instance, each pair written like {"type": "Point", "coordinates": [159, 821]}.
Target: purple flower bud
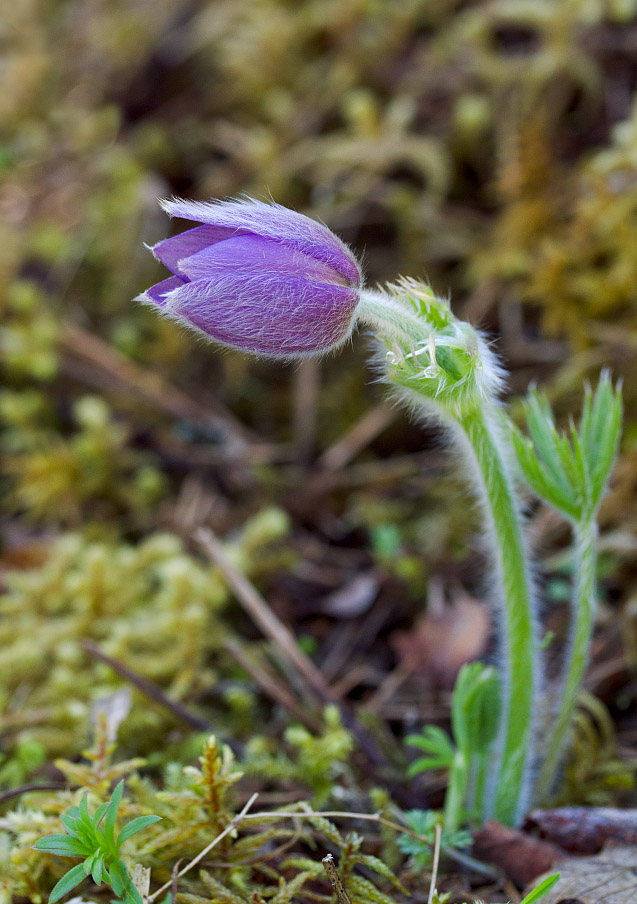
{"type": "Point", "coordinates": [257, 277]}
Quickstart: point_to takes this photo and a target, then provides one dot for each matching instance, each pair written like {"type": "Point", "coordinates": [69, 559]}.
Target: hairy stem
{"type": "Point", "coordinates": [582, 615]}
{"type": "Point", "coordinates": [508, 794]}
{"type": "Point", "coordinates": [446, 367]}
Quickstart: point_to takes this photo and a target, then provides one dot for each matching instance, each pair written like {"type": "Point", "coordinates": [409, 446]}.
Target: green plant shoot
{"type": "Point", "coordinates": [570, 473]}
{"type": "Point", "coordinates": [94, 839]}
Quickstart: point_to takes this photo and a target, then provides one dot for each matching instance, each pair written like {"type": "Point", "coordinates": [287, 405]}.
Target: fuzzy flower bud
{"type": "Point", "coordinates": [257, 277]}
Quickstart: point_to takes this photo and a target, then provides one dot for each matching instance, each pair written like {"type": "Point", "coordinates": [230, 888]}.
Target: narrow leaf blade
{"type": "Point", "coordinates": [136, 825]}
{"type": "Point", "coordinates": [541, 889]}
{"type": "Point", "coordinates": [67, 882]}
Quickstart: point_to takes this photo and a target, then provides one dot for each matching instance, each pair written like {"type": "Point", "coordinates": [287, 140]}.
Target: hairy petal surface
{"type": "Point", "coordinates": [171, 251]}
{"type": "Point", "coordinates": [274, 222]}
{"type": "Point", "coordinates": [272, 315]}
{"type": "Point", "coordinates": [257, 255]}
{"type": "Point", "coordinates": [157, 293]}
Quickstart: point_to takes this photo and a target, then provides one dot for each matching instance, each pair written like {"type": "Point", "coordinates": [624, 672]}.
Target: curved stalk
{"type": "Point", "coordinates": [445, 366]}
{"type": "Point", "coordinates": [508, 793]}
{"type": "Point", "coordinates": [583, 613]}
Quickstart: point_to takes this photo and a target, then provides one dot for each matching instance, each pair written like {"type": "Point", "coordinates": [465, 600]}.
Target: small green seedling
{"type": "Point", "coordinates": [94, 839]}
{"type": "Point", "coordinates": [475, 713]}
{"type": "Point", "coordinates": [423, 823]}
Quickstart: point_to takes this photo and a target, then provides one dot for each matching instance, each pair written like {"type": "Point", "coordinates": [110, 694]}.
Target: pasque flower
{"type": "Point", "coordinates": [257, 277]}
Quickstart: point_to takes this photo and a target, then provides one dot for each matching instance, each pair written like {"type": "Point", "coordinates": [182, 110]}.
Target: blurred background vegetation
{"type": "Point", "coordinates": [489, 147]}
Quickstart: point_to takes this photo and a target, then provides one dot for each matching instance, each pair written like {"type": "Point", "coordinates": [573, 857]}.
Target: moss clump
{"type": "Point", "coordinates": [150, 606]}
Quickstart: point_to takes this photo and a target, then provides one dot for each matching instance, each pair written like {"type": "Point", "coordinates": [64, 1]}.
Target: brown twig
{"type": "Point", "coordinates": [306, 392]}
{"type": "Point", "coordinates": [149, 385]}
{"type": "Point", "coordinates": [370, 425]}
{"type": "Point", "coordinates": [335, 880]}
{"type": "Point", "coordinates": [269, 683]}
{"type": "Point", "coordinates": [263, 616]}
{"type": "Point", "coordinates": [398, 468]}
{"type": "Point", "coordinates": [393, 680]}
{"type": "Point", "coordinates": [149, 688]}
{"type": "Point", "coordinates": [28, 789]}
{"type": "Point", "coordinates": [228, 829]}
{"type": "Point", "coordinates": [273, 628]}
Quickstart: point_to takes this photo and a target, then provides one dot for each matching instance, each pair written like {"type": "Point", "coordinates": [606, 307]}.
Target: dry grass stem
{"type": "Point", "coordinates": [229, 828]}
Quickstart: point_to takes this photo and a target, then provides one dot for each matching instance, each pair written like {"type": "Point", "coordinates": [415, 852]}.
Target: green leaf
{"type": "Point", "coordinates": [84, 815]}
{"type": "Point", "coordinates": [63, 845]}
{"type": "Point", "coordinates": [132, 896]}
{"type": "Point", "coordinates": [434, 741]}
{"type": "Point", "coordinates": [111, 814]}
{"type": "Point", "coordinates": [98, 870]}
{"type": "Point", "coordinates": [602, 402]}
{"type": "Point", "coordinates": [70, 823]}
{"type": "Point", "coordinates": [607, 446]}
{"type": "Point", "coordinates": [541, 889]}
{"type": "Point", "coordinates": [571, 472]}
{"type": "Point", "coordinates": [539, 477]}
{"type": "Point", "coordinates": [117, 880]}
{"type": "Point", "coordinates": [99, 814]}
{"type": "Point", "coordinates": [136, 825]}
{"type": "Point", "coordinates": [380, 867]}
{"type": "Point", "coordinates": [126, 888]}
{"type": "Point", "coordinates": [424, 763]}
{"type": "Point", "coordinates": [475, 708]}
{"type": "Point", "coordinates": [481, 710]}
{"type": "Point", "coordinates": [545, 437]}
{"type": "Point", "coordinates": [67, 882]}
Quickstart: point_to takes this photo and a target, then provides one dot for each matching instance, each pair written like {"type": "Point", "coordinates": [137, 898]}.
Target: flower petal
{"type": "Point", "coordinates": [257, 255]}
{"type": "Point", "coordinates": [274, 222]}
{"type": "Point", "coordinates": [171, 251]}
{"type": "Point", "coordinates": [270, 315]}
{"type": "Point", "coordinates": [157, 293]}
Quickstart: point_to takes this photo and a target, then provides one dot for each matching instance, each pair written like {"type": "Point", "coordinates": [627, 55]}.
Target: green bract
{"type": "Point", "coordinates": [428, 350]}
{"type": "Point", "coordinates": [570, 472]}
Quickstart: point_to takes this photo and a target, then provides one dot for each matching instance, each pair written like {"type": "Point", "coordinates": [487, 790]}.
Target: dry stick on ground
{"type": "Point", "coordinates": [258, 609]}
{"type": "Point", "coordinates": [148, 385]}
{"type": "Point", "coordinates": [149, 688]}
{"type": "Point", "coordinates": [393, 680]}
{"type": "Point", "coordinates": [271, 685]}
{"type": "Point", "coordinates": [360, 435]}
{"type": "Point", "coordinates": [306, 386]}
{"type": "Point", "coordinates": [27, 789]}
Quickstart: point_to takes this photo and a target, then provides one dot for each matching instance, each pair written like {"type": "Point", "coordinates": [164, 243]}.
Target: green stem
{"type": "Point", "coordinates": [455, 798]}
{"type": "Point", "coordinates": [462, 391]}
{"type": "Point", "coordinates": [390, 318]}
{"type": "Point", "coordinates": [510, 795]}
{"type": "Point", "coordinates": [583, 613]}
{"type": "Point", "coordinates": [480, 786]}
